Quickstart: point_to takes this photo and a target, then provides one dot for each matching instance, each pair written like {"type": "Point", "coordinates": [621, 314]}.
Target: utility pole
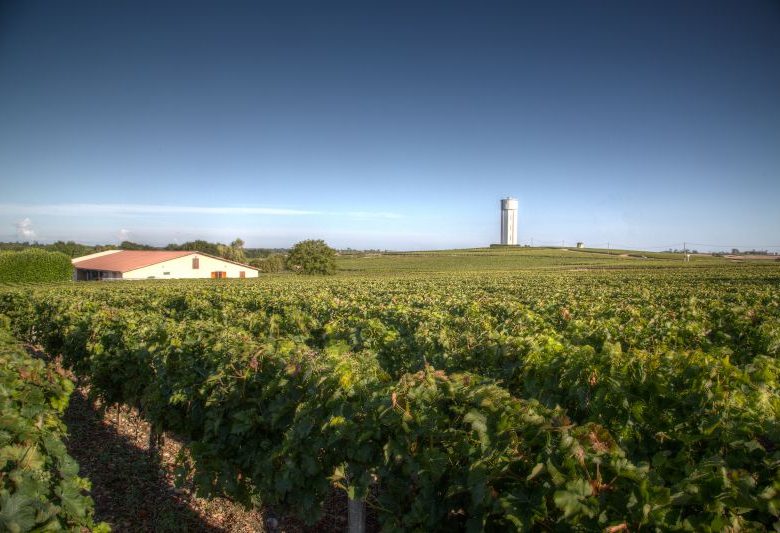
{"type": "Point", "coordinates": [608, 251]}
{"type": "Point", "coordinates": [532, 242]}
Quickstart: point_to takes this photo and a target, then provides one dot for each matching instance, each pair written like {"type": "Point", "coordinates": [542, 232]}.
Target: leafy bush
{"type": "Point", "coordinates": [34, 265]}
{"type": "Point", "coordinates": [461, 454]}
{"type": "Point", "coordinates": [312, 257]}
{"type": "Point", "coordinates": [39, 484]}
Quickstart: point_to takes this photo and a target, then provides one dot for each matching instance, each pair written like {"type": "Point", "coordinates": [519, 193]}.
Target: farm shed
{"type": "Point", "coordinates": [142, 264]}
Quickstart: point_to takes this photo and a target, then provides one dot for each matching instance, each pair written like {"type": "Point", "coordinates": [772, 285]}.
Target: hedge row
{"type": "Point", "coordinates": [40, 488]}
{"type": "Point", "coordinates": [33, 265]}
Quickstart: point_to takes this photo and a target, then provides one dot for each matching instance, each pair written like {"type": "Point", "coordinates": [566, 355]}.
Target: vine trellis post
{"type": "Point", "coordinates": [357, 516]}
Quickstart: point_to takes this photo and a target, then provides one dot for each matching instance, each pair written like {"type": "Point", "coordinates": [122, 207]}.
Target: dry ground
{"type": "Point", "coordinates": [133, 492]}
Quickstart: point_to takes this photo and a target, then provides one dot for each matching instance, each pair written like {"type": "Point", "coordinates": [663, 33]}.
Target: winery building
{"type": "Point", "coordinates": [143, 264]}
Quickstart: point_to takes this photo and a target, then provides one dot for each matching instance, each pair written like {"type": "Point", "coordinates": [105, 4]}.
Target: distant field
{"type": "Point", "coordinates": [508, 259]}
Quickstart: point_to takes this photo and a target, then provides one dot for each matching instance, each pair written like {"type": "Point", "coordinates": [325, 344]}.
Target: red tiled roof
{"type": "Point", "coordinates": [127, 260]}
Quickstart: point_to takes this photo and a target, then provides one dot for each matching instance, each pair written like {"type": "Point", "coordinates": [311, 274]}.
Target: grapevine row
{"type": "Point", "coordinates": [467, 403]}
{"type": "Point", "coordinates": [39, 484]}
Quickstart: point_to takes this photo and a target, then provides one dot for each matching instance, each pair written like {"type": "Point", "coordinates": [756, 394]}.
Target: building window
{"type": "Point", "coordinates": [195, 263]}
{"type": "Point", "coordinates": [166, 273]}
{"type": "Point", "coordinates": [242, 274]}
{"type": "Point", "coordinates": [218, 274]}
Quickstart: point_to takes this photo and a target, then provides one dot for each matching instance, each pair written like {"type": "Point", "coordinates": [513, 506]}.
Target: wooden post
{"type": "Point", "coordinates": [357, 516]}
{"type": "Point", "coordinates": [156, 441]}
{"type": "Point", "coordinates": [152, 442]}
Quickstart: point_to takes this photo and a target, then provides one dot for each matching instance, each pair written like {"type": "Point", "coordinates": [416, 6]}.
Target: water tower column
{"type": "Point", "coordinates": [509, 221]}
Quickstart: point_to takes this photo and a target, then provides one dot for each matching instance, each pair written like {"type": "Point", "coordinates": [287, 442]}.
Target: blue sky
{"type": "Point", "coordinates": [395, 125]}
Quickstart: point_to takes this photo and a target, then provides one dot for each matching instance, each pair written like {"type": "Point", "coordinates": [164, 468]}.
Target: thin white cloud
{"type": "Point", "coordinates": [142, 209]}
{"type": "Point", "coordinates": [123, 234]}
{"type": "Point", "coordinates": [154, 209]}
{"type": "Point", "coordinates": [24, 229]}
{"type": "Point", "coordinates": [367, 214]}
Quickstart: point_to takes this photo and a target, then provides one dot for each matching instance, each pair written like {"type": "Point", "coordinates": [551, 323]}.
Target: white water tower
{"type": "Point", "coordinates": [509, 221]}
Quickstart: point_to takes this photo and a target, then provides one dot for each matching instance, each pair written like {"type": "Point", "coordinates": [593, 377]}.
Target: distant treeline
{"type": "Point", "coordinates": [70, 248]}
{"type": "Point", "coordinates": [74, 249]}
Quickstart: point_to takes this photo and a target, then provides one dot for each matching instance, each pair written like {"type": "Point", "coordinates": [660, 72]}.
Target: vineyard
{"type": "Point", "coordinates": [618, 399]}
{"type": "Point", "coordinates": [39, 484]}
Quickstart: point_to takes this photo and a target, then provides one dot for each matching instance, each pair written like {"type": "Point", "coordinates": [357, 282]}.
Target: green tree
{"type": "Point", "coordinates": [223, 250]}
{"type": "Point", "coordinates": [197, 246]}
{"type": "Point", "coordinates": [72, 249]}
{"type": "Point", "coordinates": [272, 263]}
{"type": "Point", "coordinates": [312, 257]}
{"type": "Point", "coordinates": [236, 251]}
{"type": "Point", "coordinates": [129, 245]}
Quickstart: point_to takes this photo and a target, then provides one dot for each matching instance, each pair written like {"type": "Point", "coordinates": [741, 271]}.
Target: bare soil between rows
{"type": "Point", "coordinates": [134, 491]}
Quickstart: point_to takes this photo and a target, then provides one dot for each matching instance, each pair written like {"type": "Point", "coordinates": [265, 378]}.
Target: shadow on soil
{"type": "Point", "coordinates": [131, 492]}
{"type": "Point", "coordinates": [134, 492]}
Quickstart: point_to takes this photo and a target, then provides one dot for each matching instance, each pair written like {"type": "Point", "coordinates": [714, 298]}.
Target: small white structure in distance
{"type": "Point", "coordinates": [509, 222]}
{"type": "Point", "coordinates": [152, 264]}
{"type": "Point", "coordinates": [580, 245]}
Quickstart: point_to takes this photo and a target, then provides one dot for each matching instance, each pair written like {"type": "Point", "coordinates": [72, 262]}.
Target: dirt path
{"type": "Point", "coordinates": [134, 493]}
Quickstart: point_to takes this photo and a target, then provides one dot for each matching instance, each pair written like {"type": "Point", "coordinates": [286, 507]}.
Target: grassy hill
{"type": "Point", "coordinates": [509, 259]}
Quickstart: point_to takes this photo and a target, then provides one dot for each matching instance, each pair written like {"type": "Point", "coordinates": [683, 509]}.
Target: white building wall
{"type": "Point", "coordinates": [181, 267]}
